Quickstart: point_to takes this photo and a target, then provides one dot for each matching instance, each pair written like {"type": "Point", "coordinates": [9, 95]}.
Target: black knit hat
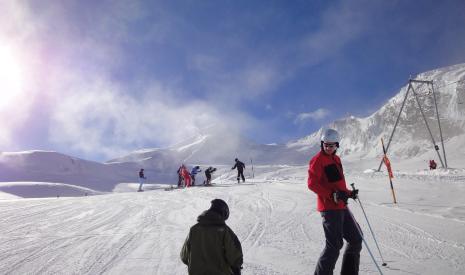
{"type": "Point", "coordinates": [220, 207]}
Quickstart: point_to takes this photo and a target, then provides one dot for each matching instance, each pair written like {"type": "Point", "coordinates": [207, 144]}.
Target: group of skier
{"type": "Point", "coordinates": [211, 247]}
{"type": "Point", "coordinates": [187, 179]}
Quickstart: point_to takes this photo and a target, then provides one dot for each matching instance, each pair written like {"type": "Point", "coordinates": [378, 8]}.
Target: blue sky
{"type": "Point", "coordinates": [100, 80]}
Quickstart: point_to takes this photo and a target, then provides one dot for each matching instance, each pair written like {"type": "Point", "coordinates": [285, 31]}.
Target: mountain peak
{"type": "Point", "coordinates": [360, 137]}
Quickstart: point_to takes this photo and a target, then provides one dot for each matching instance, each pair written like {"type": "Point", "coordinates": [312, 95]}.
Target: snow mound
{"type": "Point", "coordinates": [45, 190]}
{"type": "Point", "coordinates": [369, 171]}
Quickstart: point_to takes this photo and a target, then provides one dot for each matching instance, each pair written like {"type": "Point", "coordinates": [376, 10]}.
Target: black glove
{"type": "Point", "coordinates": [340, 196]}
{"type": "Point", "coordinates": [354, 194]}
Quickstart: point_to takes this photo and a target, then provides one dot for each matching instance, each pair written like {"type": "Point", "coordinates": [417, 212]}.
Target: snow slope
{"type": "Point", "coordinates": [273, 215]}
{"type": "Point", "coordinates": [160, 164]}
{"type": "Point", "coordinates": [46, 166]}
{"type": "Point", "coordinates": [45, 189]}
{"type": "Point", "coordinates": [7, 196]}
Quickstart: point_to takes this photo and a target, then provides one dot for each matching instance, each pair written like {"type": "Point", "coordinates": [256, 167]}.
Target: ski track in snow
{"type": "Point", "coordinates": [274, 217]}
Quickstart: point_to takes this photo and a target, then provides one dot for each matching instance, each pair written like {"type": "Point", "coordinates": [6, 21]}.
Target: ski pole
{"type": "Point", "coordinates": [369, 226]}
{"type": "Point", "coordinates": [364, 241]}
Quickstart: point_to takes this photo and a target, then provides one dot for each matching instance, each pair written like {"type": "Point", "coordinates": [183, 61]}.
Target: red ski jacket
{"type": "Point", "coordinates": [185, 173]}
{"type": "Point", "coordinates": [325, 176]}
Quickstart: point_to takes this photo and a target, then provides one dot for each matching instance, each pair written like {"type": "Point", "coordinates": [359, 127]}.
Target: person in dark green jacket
{"type": "Point", "coordinates": [211, 246]}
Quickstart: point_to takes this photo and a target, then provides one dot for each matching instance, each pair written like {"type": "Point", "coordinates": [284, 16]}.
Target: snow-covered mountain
{"type": "Point", "coordinates": [216, 147]}
{"type": "Point", "coordinates": [361, 136]}
{"type": "Point", "coordinates": [46, 166]}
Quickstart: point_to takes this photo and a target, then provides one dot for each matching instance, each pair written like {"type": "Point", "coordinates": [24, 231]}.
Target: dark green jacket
{"type": "Point", "coordinates": [212, 247]}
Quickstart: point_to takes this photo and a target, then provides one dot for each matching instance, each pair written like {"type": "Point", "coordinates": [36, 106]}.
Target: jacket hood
{"type": "Point", "coordinates": [210, 217]}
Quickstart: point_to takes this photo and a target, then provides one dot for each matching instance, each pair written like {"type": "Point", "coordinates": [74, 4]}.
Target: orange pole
{"type": "Point", "coordinates": [390, 179]}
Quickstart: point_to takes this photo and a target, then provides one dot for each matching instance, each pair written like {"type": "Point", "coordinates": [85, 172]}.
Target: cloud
{"type": "Point", "coordinates": [246, 72]}
{"type": "Point", "coordinates": [245, 81]}
{"type": "Point", "coordinates": [87, 65]}
{"type": "Point", "coordinates": [76, 57]}
{"type": "Point", "coordinates": [13, 117]}
{"type": "Point", "coordinates": [341, 24]}
{"type": "Point", "coordinates": [21, 67]}
{"type": "Point", "coordinates": [98, 117]}
{"type": "Point", "coordinates": [260, 79]}
{"type": "Point", "coordinates": [315, 115]}
{"type": "Point", "coordinates": [16, 20]}
{"type": "Point", "coordinates": [205, 63]}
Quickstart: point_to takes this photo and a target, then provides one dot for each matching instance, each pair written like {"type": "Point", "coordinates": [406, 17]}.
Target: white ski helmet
{"type": "Point", "coordinates": [330, 135]}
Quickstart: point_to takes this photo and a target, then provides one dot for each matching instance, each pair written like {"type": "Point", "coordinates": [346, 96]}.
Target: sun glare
{"type": "Point", "coordinates": [10, 77]}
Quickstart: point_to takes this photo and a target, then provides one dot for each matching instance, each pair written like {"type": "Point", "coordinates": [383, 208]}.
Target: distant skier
{"type": "Point", "coordinates": [432, 164]}
{"type": "Point", "coordinates": [240, 170]}
{"type": "Point", "coordinates": [142, 179]}
{"type": "Point", "coordinates": [208, 175]}
{"type": "Point", "coordinates": [194, 172]}
{"type": "Point", "coordinates": [180, 177]}
{"type": "Point", "coordinates": [186, 176]}
{"type": "Point", "coordinates": [326, 179]}
{"type": "Point", "coordinates": [211, 247]}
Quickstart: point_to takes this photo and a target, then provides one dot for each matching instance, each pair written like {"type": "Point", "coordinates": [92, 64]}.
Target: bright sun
{"type": "Point", "coordinates": [10, 77]}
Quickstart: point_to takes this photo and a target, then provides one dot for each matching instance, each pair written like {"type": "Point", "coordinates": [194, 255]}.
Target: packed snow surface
{"type": "Point", "coordinates": [273, 215]}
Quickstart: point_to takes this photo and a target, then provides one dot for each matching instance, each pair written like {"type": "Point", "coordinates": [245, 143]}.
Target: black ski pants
{"type": "Point", "coordinates": [180, 180]}
{"type": "Point", "coordinates": [193, 179]}
{"type": "Point", "coordinates": [339, 225]}
{"type": "Point", "coordinates": [209, 177]}
{"type": "Point", "coordinates": [240, 175]}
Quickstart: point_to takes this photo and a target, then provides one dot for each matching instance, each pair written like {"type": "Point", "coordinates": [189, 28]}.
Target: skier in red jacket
{"type": "Point", "coordinates": [432, 164]}
{"type": "Point", "coordinates": [326, 179]}
{"type": "Point", "coordinates": [186, 175]}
